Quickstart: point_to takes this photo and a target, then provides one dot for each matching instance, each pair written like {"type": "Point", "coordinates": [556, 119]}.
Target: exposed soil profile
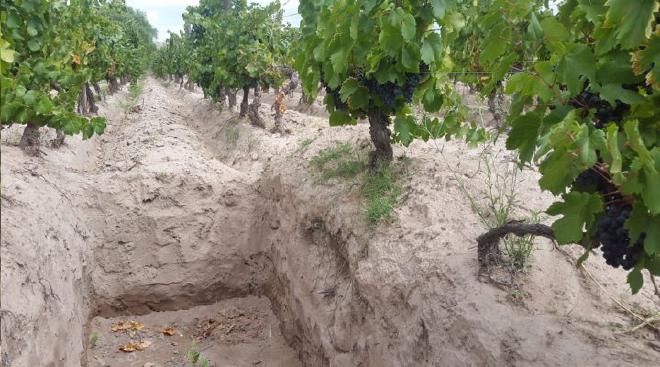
{"type": "Point", "coordinates": [184, 217]}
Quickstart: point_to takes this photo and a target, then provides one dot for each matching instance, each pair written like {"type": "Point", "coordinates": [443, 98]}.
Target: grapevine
{"type": "Point", "coordinates": [585, 108]}
{"type": "Point", "coordinates": [52, 52]}
{"type": "Point", "coordinates": [374, 60]}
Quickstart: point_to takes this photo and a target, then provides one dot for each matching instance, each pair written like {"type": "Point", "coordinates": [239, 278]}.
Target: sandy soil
{"type": "Point", "coordinates": [180, 214]}
{"type": "Point", "coordinates": [236, 332]}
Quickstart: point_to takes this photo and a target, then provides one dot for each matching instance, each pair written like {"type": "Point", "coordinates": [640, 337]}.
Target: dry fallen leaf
{"type": "Point", "coordinates": [127, 325]}
{"type": "Point", "coordinates": [169, 331]}
{"type": "Point", "coordinates": [132, 346]}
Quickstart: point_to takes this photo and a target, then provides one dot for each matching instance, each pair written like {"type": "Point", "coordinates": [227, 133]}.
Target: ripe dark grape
{"type": "Point", "coordinates": [390, 93]}
{"type": "Point", "coordinates": [614, 238]}
{"type": "Point", "coordinates": [605, 112]}
{"type": "Point", "coordinates": [339, 104]}
{"type": "Point", "coordinates": [587, 181]}
{"type": "Point", "coordinates": [593, 181]}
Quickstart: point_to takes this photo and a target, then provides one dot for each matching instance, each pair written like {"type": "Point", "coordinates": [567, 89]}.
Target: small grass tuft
{"type": "Point", "coordinates": [304, 144]}
{"type": "Point", "coordinates": [341, 160]}
{"type": "Point", "coordinates": [381, 189]}
{"type": "Point", "coordinates": [134, 91]}
{"type": "Point", "coordinates": [93, 339]}
{"type": "Point", "coordinates": [195, 357]}
{"type": "Point", "coordinates": [383, 194]}
{"type": "Point", "coordinates": [232, 133]}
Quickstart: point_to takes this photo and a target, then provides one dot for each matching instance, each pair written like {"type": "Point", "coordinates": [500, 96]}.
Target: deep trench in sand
{"type": "Point", "coordinates": [189, 245]}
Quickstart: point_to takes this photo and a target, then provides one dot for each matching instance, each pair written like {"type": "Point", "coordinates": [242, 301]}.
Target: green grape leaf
{"type": "Point", "coordinates": [355, 22]}
{"type": "Point", "coordinates": [589, 141]}
{"type": "Point", "coordinates": [431, 48]}
{"type": "Point", "coordinates": [497, 41]}
{"type": "Point", "coordinates": [410, 57]}
{"type": "Point", "coordinates": [636, 280]}
{"type": "Point", "coordinates": [34, 44]}
{"type": "Point", "coordinates": [403, 125]}
{"type": "Point", "coordinates": [7, 55]}
{"type": "Point", "coordinates": [88, 131]}
{"type": "Point", "coordinates": [632, 20]}
{"type": "Point", "coordinates": [360, 99]}
{"type": "Point", "coordinates": [348, 88]}
{"type": "Point", "coordinates": [338, 118]}
{"type": "Point", "coordinates": [524, 134]}
{"type": "Point", "coordinates": [651, 190]}
{"type": "Point", "coordinates": [439, 8]}
{"type": "Point", "coordinates": [578, 209]}
{"type": "Point", "coordinates": [652, 240]}
{"type": "Point", "coordinates": [31, 30]}
{"type": "Point", "coordinates": [555, 33]}
{"type": "Point", "coordinates": [30, 98]}
{"type": "Point", "coordinates": [408, 26]}
{"type": "Point", "coordinates": [614, 92]}
{"type": "Point", "coordinates": [534, 28]}
{"type": "Point", "coordinates": [20, 91]}
{"type": "Point", "coordinates": [44, 106]}
{"type": "Point", "coordinates": [615, 153]}
{"type": "Point", "coordinates": [99, 125]}
{"type": "Point", "coordinates": [581, 61]}
{"type": "Point", "coordinates": [432, 100]}
{"type": "Point", "coordinates": [637, 222]}
{"type": "Point", "coordinates": [528, 84]}
{"type": "Point", "coordinates": [631, 128]}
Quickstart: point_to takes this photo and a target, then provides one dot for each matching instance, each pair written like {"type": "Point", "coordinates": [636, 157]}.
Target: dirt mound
{"type": "Point", "coordinates": [183, 216]}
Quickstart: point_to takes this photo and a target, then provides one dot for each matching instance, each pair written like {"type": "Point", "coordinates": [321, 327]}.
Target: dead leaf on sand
{"type": "Point", "coordinates": [132, 346]}
{"type": "Point", "coordinates": [127, 325]}
{"type": "Point", "coordinates": [169, 331]}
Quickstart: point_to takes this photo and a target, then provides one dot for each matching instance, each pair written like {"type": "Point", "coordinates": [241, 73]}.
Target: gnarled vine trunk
{"type": "Point", "coordinates": [30, 139]}
{"type": "Point", "coordinates": [231, 97]}
{"type": "Point", "coordinates": [496, 107]}
{"type": "Point", "coordinates": [220, 96]}
{"type": "Point", "coordinates": [83, 101]}
{"type": "Point", "coordinates": [86, 104]}
{"type": "Point", "coordinates": [244, 102]}
{"type": "Point", "coordinates": [279, 105]}
{"type": "Point", "coordinates": [90, 99]}
{"type": "Point", "coordinates": [97, 89]}
{"type": "Point", "coordinates": [190, 86]}
{"type": "Point", "coordinates": [59, 138]}
{"type": "Point", "coordinates": [113, 86]}
{"type": "Point", "coordinates": [253, 109]}
{"type": "Point", "coordinates": [380, 137]}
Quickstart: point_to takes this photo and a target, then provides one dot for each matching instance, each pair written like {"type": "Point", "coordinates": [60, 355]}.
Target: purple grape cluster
{"type": "Point", "coordinates": [389, 92]}
{"type": "Point", "coordinates": [611, 235]}
{"type": "Point", "coordinates": [605, 112]}
{"type": "Point", "coordinates": [614, 238]}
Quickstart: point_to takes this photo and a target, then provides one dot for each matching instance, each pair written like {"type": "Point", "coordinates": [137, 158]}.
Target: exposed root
{"type": "Point", "coordinates": [488, 251]}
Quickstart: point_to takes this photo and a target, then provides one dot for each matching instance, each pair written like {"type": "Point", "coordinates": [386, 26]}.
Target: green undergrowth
{"type": "Point", "coordinates": [381, 189]}
{"type": "Point", "coordinates": [232, 133]}
{"type": "Point", "coordinates": [497, 203]}
{"type": "Point", "coordinates": [134, 91]}
{"type": "Point", "coordinates": [342, 160]}
{"type": "Point", "coordinates": [305, 143]}
{"type": "Point", "coordinates": [383, 193]}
